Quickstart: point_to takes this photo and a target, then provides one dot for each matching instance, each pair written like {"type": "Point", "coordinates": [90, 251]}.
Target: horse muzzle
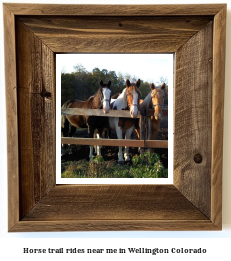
{"type": "Point", "coordinates": [158, 116]}
{"type": "Point", "coordinates": [106, 110]}
{"type": "Point", "coordinates": [134, 111]}
{"type": "Point", "coordinates": [134, 115]}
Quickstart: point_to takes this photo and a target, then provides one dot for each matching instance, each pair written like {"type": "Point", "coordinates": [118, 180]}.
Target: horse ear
{"type": "Point", "coordinates": [152, 86]}
{"type": "Point", "coordinates": [163, 86]}
{"type": "Point", "coordinates": [138, 83]}
{"type": "Point", "coordinates": [109, 84]}
{"type": "Point", "coordinates": [127, 83]}
{"type": "Point", "coordinates": [101, 83]}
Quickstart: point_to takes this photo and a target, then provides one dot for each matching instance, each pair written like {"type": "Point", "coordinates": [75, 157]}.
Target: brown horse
{"type": "Point", "coordinates": [101, 100]}
{"type": "Point", "coordinates": [127, 100]}
{"type": "Point", "coordinates": [155, 99]}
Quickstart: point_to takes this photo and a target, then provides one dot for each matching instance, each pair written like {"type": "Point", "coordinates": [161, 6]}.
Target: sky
{"type": "Point", "coordinates": [147, 67]}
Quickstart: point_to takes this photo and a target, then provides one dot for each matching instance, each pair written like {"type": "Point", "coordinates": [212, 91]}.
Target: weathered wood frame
{"type": "Point", "coordinates": [33, 34]}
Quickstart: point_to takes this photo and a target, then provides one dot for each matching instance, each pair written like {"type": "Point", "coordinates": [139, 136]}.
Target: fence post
{"type": "Point", "coordinates": [142, 130]}
{"type": "Point", "coordinates": [149, 130]}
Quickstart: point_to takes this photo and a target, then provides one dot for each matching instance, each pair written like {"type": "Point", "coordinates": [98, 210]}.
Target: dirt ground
{"type": "Point", "coordinates": [111, 153]}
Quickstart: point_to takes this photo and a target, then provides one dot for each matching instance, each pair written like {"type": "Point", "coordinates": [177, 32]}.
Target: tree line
{"type": "Point", "coordinates": [81, 84]}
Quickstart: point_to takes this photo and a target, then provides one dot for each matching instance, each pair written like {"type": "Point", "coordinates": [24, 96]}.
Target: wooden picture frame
{"type": "Point", "coordinates": [33, 34]}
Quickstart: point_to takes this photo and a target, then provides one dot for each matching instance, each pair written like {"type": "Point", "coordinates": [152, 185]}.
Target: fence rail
{"type": "Point", "coordinates": [119, 142]}
{"type": "Point", "coordinates": [112, 113]}
{"type": "Point", "coordinates": [145, 142]}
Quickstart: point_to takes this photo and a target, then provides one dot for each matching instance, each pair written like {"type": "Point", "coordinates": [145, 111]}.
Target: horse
{"type": "Point", "coordinates": [115, 96]}
{"type": "Point", "coordinates": [127, 100]}
{"type": "Point", "coordinates": [101, 100]}
{"type": "Point", "coordinates": [155, 99]}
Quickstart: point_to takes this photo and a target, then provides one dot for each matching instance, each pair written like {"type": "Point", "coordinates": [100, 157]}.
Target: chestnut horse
{"type": "Point", "coordinates": [128, 100]}
{"type": "Point", "coordinates": [101, 100]}
{"type": "Point", "coordinates": [155, 99]}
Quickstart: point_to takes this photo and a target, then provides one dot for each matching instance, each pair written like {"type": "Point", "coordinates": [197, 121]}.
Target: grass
{"type": "Point", "coordinates": [147, 165]}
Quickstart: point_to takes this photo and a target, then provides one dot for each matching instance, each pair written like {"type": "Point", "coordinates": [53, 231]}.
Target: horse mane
{"type": "Point", "coordinates": [96, 103]}
{"type": "Point", "coordinates": [115, 96]}
{"type": "Point", "coordinates": [135, 89]}
{"type": "Point", "coordinates": [122, 98]}
{"type": "Point", "coordinates": [158, 90]}
{"type": "Point", "coordinates": [122, 94]}
{"type": "Point", "coordinates": [147, 101]}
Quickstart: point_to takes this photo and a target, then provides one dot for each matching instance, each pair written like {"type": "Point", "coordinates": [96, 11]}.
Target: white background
{"type": "Point", "coordinates": [217, 243]}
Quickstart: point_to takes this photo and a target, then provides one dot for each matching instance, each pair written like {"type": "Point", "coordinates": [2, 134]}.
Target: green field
{"type": "Point", "coordinates": [147, 165]}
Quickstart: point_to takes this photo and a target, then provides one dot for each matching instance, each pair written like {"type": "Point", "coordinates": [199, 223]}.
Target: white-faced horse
{"type": "Point", "coordinates": [128, 100]}
{"type": "Point", "coordinates": [101, 100]}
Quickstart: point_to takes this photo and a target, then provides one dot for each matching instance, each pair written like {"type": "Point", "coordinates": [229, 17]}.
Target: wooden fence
{"type": "Point", "coordinates": [145, 129]}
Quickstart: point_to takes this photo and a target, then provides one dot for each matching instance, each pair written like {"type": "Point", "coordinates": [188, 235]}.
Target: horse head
{"type": "Point", "coordinates": [158, 100]}
{"type": "Point", "coordinates": [133, 97]}
{"type": "Point", "coordinates": [105, 89]}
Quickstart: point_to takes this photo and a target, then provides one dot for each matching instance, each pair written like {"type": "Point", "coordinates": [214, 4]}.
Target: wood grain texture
{"type": "Point", "coordinates": [218, 114]}
{"type": "Point", "coordinates": [155, 143]}
{"type": "Point", "coordinates": [35, 66]}
{"type": "Point", "coordinates": [114, 34]}
{"type": "Point", "coordinates": [108, 206]}
{"type": "Point", "coordinates": [115, 10]}
{"type": "Point", "coordinates": [11, 117]}
{"type": "Point", "coordinates": [114, 225]}
{"type": "Point", "coordinates": [103, 142]}
{"type": "Point", "coordinates": [114, 208]}
{"type": "Point", "coordinates": [116, 142]}
{"type": "Point", "coordinates": [29, 181]}
{"type": "Point", "coordinates": [96, 112]}
{"type": "Point", "coordinates": [193, 126]}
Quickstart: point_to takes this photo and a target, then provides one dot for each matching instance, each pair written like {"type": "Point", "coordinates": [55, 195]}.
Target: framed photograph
{"type": "Point", "coordinates": [81, 76]}
{"type": "Point", "coordinates": [34, 36]}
